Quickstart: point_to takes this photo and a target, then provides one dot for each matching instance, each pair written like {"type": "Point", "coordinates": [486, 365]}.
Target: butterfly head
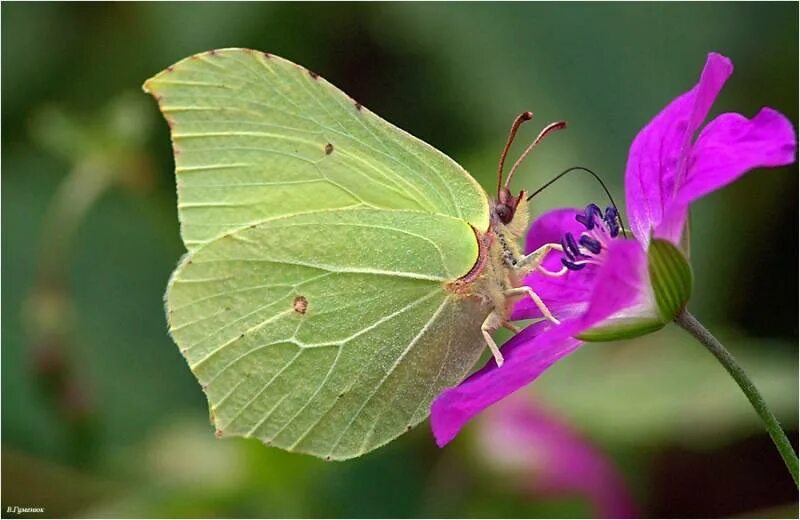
{"type": "Point", "coordinates": [506, 204]}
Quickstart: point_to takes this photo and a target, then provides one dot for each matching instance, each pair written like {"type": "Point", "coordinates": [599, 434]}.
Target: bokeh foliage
{"type": "Point", "coordinates": [100, 413]}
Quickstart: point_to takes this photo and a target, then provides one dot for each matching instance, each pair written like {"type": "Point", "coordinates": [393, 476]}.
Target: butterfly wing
{"type": "Point", "coordinates": [311, 305]}
{"type": "Point", "coordinates": [256, 137]}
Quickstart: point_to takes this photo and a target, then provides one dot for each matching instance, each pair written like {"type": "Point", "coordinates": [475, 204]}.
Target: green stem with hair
{"type": "Point", "coordinates": [696, 329]}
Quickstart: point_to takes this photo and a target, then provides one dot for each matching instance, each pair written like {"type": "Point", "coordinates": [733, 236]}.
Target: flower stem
{"type": "Point", "coordinates": [696, 329]}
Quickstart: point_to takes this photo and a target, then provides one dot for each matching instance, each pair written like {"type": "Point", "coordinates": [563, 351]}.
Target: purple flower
{"type": "Point", "coordinates": [544, 456]}
{"type": "Point", "coordinates": [613, 287]}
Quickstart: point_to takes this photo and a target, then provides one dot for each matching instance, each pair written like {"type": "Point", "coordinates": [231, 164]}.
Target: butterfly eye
{"type": "Point", "coordinates": [504, 213]}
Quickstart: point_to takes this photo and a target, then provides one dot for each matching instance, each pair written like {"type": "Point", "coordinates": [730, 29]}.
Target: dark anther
{"type": "Point", "coordinates": [565, 246]}
{"type": "Point", "coordinates": [612, 221]}
{"type": "Point", "coordinates": [571, 246]}
{"type": "Point", "coordinates": [571, 265]}
{"type": "Point", "coordinates": [587, 219]}
{"type": "Point", "coordinates": [590, 244]}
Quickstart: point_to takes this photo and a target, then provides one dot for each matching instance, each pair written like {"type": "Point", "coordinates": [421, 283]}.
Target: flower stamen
{"type": "Point", "coordinates": [601, 228]}
{"type": "Point", "coordinates": [591, 244]}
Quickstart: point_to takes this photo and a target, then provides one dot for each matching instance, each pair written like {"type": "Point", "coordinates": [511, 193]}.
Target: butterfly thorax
{"type": "Point", "coordinates": [495, 269]}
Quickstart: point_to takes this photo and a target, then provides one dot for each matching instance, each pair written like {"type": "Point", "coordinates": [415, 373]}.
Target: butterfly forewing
{"type": "Point", "coordinates": [257, 137]}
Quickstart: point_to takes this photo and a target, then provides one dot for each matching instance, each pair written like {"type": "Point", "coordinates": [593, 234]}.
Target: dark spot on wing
{"type": "Point", "coordinates": [313, 74]}
{"type": "Point", "coordinates": [300, 304]}
{"type": "Point", "coordinates": [328, 149]}
{"type": "Point", "coordinates": [267, 55]}
{"type": "Point", "coordinates": [358, 105]}
{"type": "Point", "coordinates": [218, 434]}
{"type": "Point", "coordinates": [212, 52]}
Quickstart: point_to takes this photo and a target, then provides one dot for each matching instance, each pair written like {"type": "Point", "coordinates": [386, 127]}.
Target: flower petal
{"type": "Point", "coordinates": [542, 454]}
{"type": "Point", "coordinates": [567, 295]}
{"type": "Point", "coordinates": [673, 222]}
{"type": "Point", "coordinates": [527, 355]}
{"type": "Point", "coordinates": [658, 155]}
{"type": "Point", "coordinates": [731, 145]}
{"type": "Point", "coordinates": [728, 147]}
{"type": "Point", "coordinates": [536, 348]}
{"type": "Point", "coordinates": [551, 226]}
{"type": "Point", "coordinates": [622, 288]}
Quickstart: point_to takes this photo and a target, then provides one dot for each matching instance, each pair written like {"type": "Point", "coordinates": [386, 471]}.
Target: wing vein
{"type": "Point", "coordinates": [358, 376]}
{"type": "Point", "coordinates": [263, 389]}
{"type": "Point", "coordinates": [391, 370]}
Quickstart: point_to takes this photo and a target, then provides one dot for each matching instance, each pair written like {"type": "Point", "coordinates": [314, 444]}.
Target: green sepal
{"type": "Point", "coordinates": [670, 277]}
{"type": "Point", "coordinates": [622, 328]}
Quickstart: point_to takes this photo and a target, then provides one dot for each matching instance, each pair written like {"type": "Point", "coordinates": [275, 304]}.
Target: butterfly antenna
{"type": "Point", "coordinates": [525, 116]}
{"type": "Point", "coordinates": [552, 127]}
{"type": "Point", "coordinates": [597, 177]}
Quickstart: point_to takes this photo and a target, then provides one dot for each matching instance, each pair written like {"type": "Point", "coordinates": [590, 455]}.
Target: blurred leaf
{"type": "Point", "coordinates": [61, 491]}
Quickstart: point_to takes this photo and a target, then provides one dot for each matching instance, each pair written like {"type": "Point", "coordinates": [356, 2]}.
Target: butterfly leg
{"type": "Point", "coordinates": [510, 326]}
{"type": "Point", "coordinates": [493, 322]}
{"type": "Point", "coordinates": [525, 290]}
{"type": "Point", "coordinates": [534, 260]}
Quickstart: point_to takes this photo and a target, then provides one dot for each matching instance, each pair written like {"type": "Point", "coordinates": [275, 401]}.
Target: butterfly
{"type": "Point", "coordinates": [340, 272]}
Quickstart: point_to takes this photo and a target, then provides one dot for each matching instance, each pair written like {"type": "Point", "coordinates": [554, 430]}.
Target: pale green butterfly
{"type": "Point", "coordinates": [340, 272]}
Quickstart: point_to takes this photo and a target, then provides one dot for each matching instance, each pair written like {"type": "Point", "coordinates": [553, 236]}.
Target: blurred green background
{"type": "Point", "coordinates": [100, 414]}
